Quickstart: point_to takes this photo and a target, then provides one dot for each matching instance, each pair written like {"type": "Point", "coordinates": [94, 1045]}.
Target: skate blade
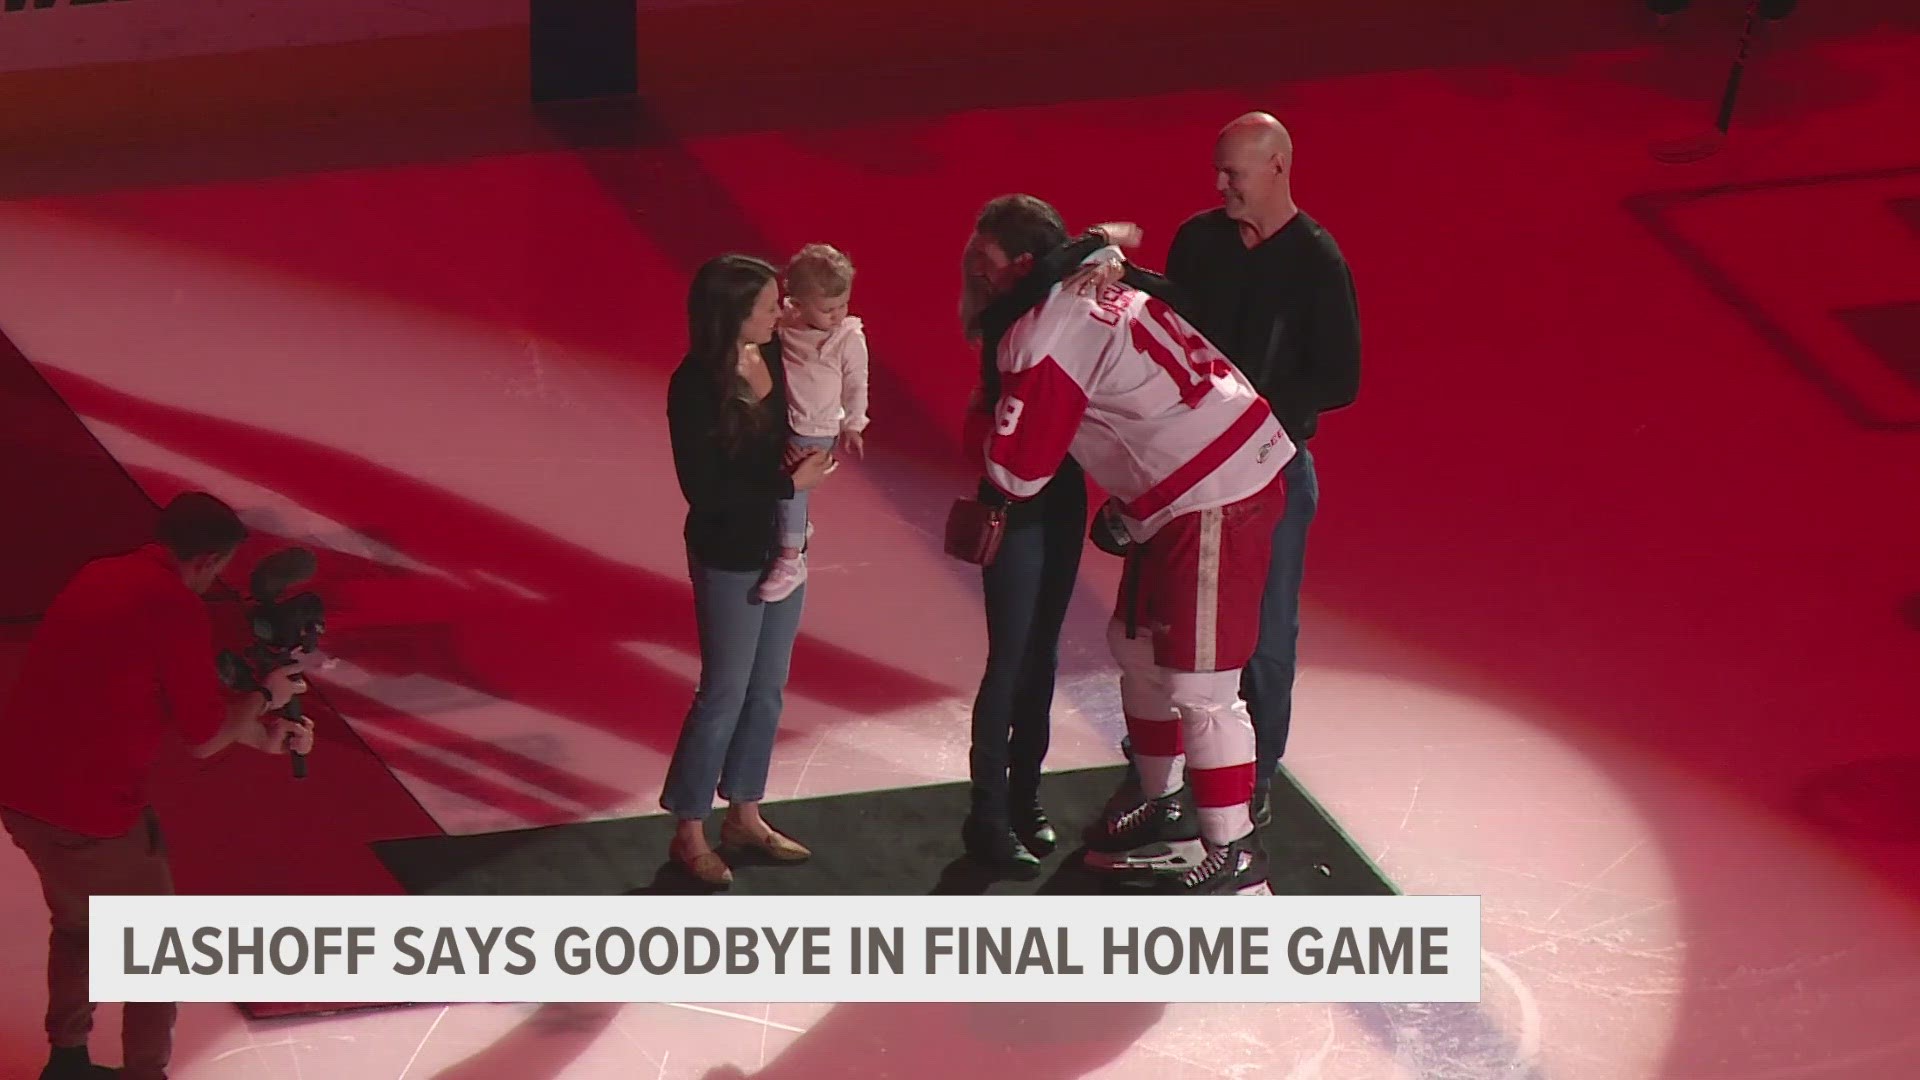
{"type": "Point", "coordinates": [1178, 856]}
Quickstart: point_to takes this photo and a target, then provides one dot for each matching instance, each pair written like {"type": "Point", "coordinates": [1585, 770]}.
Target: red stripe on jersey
{"type": "Point", "coordinates": [1039, 414]}
{"type": "Point", "coordinates": [1201, 465]}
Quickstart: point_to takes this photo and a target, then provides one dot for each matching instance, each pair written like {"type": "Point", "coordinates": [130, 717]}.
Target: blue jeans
{"type": "Point", "coordinates": [1267, 682]}
{"type": "Point", "coordinates": [1027, 590]}
{"type": "Point", "coordinates": [726, 741]}
{"type": "Point", "coordinates": [793, 512]}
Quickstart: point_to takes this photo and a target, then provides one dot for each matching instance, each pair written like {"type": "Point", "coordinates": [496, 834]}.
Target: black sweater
{"type": "Point", "coordinates": [1283, 311]}
{"type": "Point", "coordinates": [732, 497]}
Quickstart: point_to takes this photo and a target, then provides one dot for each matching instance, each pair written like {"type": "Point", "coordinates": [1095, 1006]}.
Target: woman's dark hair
{"type": "Point", "coordinates": [987, 321]}
{"type": "Point", "coordinates": [196, 524]}
{"type": "Point", "coordinates": [718, 302]}
{"type": "Point", "coordinates": [1021, 225]}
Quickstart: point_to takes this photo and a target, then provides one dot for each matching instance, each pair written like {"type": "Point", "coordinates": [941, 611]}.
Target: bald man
{"type": "Point", "coordinates": [1269, 287]}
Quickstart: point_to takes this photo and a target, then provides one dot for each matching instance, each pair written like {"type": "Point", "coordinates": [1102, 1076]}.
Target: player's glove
{"type": "Point", "coordinates": [1109, 533]}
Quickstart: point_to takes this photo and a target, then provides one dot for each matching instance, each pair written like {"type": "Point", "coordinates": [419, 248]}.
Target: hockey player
{"type": "Point", "coordinates": [1191, 457]}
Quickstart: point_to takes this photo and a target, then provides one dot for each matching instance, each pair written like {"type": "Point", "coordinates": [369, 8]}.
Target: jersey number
{"type": "Point", "coordinates": [1196, 370]}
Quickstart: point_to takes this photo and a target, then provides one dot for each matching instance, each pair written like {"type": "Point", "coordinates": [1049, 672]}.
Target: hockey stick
{"type": "Point", "coordinates": [1701, 147]}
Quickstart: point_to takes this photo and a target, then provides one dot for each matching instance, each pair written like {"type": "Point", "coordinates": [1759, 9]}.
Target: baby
{"type": "Point", "coordinates": [824, 351]}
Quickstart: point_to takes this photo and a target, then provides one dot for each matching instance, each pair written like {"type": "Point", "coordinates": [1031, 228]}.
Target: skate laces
{"type": "Point", "coordinates": [1133, 818]}
{"type": "Point", "coordinates": [1216, 860]}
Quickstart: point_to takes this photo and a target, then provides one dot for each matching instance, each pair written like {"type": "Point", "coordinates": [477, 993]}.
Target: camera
{"type": "Point", "coordinates": [281, 625]}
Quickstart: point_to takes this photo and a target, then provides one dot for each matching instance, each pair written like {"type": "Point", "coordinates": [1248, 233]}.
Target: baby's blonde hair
{"type": "Point", "coordinates": [819, 270]}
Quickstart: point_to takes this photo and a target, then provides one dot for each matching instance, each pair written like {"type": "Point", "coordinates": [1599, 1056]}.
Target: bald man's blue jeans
{"type": "Point", "coordinates": [1267, 681]}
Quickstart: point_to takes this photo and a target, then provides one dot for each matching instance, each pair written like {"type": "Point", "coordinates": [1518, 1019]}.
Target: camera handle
{"type": "Point", "coordinates": [292, 712]}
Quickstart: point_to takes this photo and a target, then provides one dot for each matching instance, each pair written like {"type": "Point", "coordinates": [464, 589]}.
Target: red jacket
{"type": "Point", "coordinates": [125, 652]}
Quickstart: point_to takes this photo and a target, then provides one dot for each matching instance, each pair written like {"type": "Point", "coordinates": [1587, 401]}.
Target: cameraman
{"type": "Point", "coordinates": [124, 653]}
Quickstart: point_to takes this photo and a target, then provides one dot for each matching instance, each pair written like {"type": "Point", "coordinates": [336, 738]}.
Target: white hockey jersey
{"type": "Point", "coordinates": [1147, 406]}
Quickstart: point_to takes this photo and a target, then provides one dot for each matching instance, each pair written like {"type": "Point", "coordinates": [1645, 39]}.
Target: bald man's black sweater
{"type": "Point", "coordinates": [1284, 311]}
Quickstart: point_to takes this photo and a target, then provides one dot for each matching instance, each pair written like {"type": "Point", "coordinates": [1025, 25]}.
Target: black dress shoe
{"type": "Point", "coordinates": [1030, 824]}
{"type": "Point", "coordinates": [992, 843]}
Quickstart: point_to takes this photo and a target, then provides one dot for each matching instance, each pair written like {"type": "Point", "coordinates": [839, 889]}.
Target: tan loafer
{"type": "Point", "coordinates": [773, 844]}
{"type": "Point", "coordinates": [707, 868]}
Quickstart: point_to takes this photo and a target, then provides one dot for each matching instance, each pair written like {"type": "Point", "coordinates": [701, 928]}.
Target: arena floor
{"type": "Point", "coordinates": [1611, 603]}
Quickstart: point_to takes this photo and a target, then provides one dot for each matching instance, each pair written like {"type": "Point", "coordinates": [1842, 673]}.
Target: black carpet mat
{"type": "Point", "coordinates": [902, 842]}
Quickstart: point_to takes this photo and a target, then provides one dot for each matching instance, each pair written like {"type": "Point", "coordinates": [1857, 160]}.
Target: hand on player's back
{"type": "Point", "coordinates": [1123, 234]}
{"type": "Point", "coordinates": [1094, 277]}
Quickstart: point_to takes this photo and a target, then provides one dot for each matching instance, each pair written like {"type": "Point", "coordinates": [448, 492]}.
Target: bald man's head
{"type": "Point", "coordinates": [1258, 133]}
{"type": "Point", "coordinates": [1252, 162]}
